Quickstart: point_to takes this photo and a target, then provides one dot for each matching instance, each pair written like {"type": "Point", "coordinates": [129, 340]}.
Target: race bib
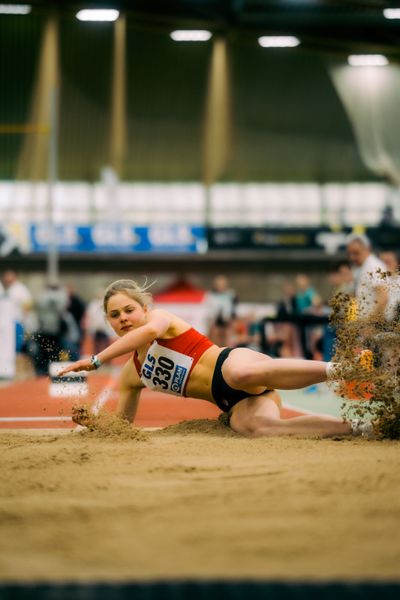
{"type": "Point", "coordinates": [165, 370]}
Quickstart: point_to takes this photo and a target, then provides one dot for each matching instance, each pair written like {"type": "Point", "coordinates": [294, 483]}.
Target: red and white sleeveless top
{"type": "Point", "coordinates": [169, 363]}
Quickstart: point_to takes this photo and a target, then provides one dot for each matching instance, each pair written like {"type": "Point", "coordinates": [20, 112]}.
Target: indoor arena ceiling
{"type": "Point", "coordinates": [331, 25]}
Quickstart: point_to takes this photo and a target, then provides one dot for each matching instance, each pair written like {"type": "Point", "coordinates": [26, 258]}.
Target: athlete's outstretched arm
{"type": "Point", "coordinates": [130, 387]}
{"type": "Point", "coordinates": [156, 326]}
{"type": "Point", "coordinates": [128, 403]}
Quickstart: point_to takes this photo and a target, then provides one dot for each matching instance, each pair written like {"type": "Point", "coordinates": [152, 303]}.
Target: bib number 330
{"type": "Point", "coordinates": [158, 370]}
{"type": "Point", "coordinates": [166, 370]}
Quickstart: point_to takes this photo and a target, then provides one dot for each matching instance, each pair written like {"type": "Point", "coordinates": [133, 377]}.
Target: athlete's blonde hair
{"type": "Point", "coordinates": [129, 287]}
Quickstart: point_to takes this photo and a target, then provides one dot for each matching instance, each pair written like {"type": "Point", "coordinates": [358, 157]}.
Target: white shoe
{"type": "Point", "coordinates": [363, 428]}
{"type": "Point", "coordinates": [360, 370]}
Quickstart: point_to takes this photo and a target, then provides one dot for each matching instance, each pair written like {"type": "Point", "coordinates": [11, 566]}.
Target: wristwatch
{"type": "Point", "coordinates": [95, 361]}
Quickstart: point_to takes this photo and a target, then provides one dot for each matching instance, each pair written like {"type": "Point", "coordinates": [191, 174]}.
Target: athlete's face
{"type": "Point", "coordinates": [125, 314]}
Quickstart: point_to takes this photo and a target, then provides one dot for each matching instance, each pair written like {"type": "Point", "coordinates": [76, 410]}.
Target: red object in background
{"type": "Point", "coordinates": [181, 291]}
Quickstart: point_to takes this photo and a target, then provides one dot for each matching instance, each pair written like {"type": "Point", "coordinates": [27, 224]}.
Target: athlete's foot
{"type": "Point", "coordinates": [363, 428]}
{"type": "Point", "coordinates": [359, 370]}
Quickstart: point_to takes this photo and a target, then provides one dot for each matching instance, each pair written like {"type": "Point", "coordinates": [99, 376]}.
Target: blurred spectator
{"type": "Point", "coordinates": [305, 293]}
{"type": "Point", "coordinates": [76, 308]}
{"type": "Point", "coordinates": [254, 332]}
{"type": "Point", "coordinates": [287, 339]}
{"type": "Point", "coordinates": [70, 337]}
{"type": "Point", "coordinates": [334, 277]}
{"type": "Point", "coordinates": [239, 334]}
{"type": "Point", "coordinates": [391, 261]}
{"type": "Point", "coordinates": [341, 278]}
{"type": "Point", "coordinates": [346, 279]}
{"type": "Point", "coordinates": [316, 333]}
{"type": "Point", "coordinates": [221, 304]}
{"type": "Point", "coordinates": [22, 300]}
{"type": "Point", "coordinates": [370, 287]}
{"type": "Point", "coordinates": [388, 219]}
{"type": "Point", "coordinates": [96, 325]}
{"type": "Point", "coordinates": [52, 326]}
{"type": "Point", "coordinates": [289, 304]}
{"type": "Point", "coordinates": [305, 297]}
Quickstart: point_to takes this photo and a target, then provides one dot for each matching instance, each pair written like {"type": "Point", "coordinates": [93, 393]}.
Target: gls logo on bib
{"type": "Point", "coordinates": [165, 370]}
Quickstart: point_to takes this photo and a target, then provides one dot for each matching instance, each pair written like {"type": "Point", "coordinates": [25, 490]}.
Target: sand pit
{"type": "Point", "coordinates": [196, 500]}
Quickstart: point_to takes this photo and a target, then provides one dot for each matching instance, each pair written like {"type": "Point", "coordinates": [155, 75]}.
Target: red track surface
{"type": "Point", "coordinates": [28, 405]}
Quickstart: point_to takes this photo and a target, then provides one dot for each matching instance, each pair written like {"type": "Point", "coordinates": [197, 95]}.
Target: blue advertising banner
{"type": "Point", "coordinates": [120, 238]}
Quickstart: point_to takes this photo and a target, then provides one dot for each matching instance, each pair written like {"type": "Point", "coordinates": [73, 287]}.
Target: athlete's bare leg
{"type": "Point", "coordinates": [260, 416]}
{"type": "Point", "coordinates": [252, 371]}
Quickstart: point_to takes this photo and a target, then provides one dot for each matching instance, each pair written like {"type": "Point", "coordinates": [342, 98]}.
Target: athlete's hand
{"type": "Point", "coordinates": [80, 365]}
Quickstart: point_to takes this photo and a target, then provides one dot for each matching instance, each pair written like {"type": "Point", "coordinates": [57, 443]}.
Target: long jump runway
{"type": "Point", "coordinates": [28, 405]}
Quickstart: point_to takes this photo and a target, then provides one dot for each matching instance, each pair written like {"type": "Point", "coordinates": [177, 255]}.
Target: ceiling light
{"type": "Point", "coordinates": [367, 60]}
{"type": "Point", "coordinates": [278, 41]}
{"type": "Point", "coordinates": [194, 35]}
{"type": "Point", "coordinates": [97, 14]}
{"type": "Point", "coordinates": [391, 13]}
{"type": "Point", "coordinates": [15, 9]}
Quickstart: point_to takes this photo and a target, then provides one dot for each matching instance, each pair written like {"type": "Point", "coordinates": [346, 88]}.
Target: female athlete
{"type": "Point", "coordinates": [170, 356]}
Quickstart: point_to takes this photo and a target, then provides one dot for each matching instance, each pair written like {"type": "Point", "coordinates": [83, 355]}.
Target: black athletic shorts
{"type": "Point", "coordinates": [224, 395]}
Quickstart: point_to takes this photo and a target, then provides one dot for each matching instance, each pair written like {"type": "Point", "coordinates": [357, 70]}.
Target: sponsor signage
{"type": "Point", "coordinates": [120, 238]}
{"type": "Point", "coordinates": [328, 240]}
